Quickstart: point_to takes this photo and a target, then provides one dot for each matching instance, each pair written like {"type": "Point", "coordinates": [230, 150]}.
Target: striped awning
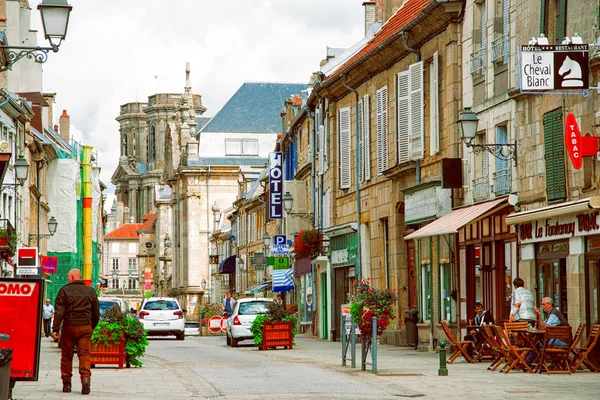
{"type": "Point", "coordinates": [456, 219]}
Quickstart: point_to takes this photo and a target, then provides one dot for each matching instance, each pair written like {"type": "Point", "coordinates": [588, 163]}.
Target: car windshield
{"type": "Point", "coordinates": [191, 325]}
{"type": "Point", "coordinates": [253, 308]}
{"type": "Point", "coordinates": [106, 304]}
{"type": "Point", "coordinates": [161, 305]}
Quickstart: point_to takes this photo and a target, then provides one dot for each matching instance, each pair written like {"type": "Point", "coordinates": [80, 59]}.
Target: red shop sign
{"type": "Point", "coordinates": [21, 319]}
{"type": "Point", "coordinates": [578, 146]}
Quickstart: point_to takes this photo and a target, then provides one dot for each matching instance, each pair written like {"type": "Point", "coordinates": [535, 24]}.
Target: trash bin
{"type": "Point", "coordinates": [5, 357]}
{"type": "Point", "coordinates": [410, 323]}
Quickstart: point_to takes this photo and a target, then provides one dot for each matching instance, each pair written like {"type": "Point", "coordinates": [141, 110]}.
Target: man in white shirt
{"type": "Point", "coordinates": [48, 311]}
{"type": "Point", "coordinates": [522, 304]}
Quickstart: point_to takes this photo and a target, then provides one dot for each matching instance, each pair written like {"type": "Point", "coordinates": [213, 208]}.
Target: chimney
{"type": "Point", "coordinates": [125, 215]}
{"type": "Point", "coordinates": [370, 14]}
{"type": "Point", "coordinates": [65, 125]}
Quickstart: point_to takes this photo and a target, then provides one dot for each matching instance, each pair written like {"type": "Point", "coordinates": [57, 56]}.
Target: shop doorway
{"type": "Point", "coordinates": [342, 284]}
{"type": "Point", "coordinates": [592, 273]}
{"type": "Point", "coordinates": [551, 274]}
{"type": "Point", "coordinates": [479, 276]}
{"type": "Point", "coordinates": [323, 303]}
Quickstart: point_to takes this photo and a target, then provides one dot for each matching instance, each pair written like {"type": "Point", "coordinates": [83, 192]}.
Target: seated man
{"type": "Point", "coordinates": [481, 317]}
{"type": "Point", "coordinates": [553, 318]}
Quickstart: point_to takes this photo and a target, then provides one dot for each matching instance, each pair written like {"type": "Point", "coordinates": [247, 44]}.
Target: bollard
{"type": "Point", "coordinates": [344, 339]}
{"type": "Point", "coordinates": [443, 371]}
{"type": "Point", "coordinates": [200, 323]}
{"type": "Point", "coordinates": [374, 346]}
{"type": "Point", "coordinates": [353, 343]}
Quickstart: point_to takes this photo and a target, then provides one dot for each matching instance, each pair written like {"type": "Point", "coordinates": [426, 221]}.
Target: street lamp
{"type": "Point", "coordinates": [203, 284]}
{"type": "Point", "coordinates": [267, 240]}
{"type": "Point", "coordinates": [288, 203]}
{"type": "Point", "coordinates": [52, 225]}
{"type": "Point", "coordinates": [55, 21]}
{"type": "Point", "coordinates": [468, 130]}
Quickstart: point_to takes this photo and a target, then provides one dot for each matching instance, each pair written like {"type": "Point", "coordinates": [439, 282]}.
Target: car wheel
{"type": "Point", "coordinates": [228, 340]}
{"type": "Point", "coordinates": [180, 336]}
{"type": "Point", "coordinates": [234, 342]}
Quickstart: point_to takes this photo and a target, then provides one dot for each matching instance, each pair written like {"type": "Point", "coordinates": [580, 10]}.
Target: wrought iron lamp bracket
{"type": "Point", "coordinates": [14, 53]}
{"type": "Point", "coordinates": [501, 151]}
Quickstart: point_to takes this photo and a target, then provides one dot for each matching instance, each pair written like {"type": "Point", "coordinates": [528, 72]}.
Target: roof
{"type": "Point", "coordinates": [455, 219]}
{"type": "Point", "coordinates": [201, 121]}
{"type": "Point", "coordinates": [227, 161]}
{"type": "Point", "coordinates": [254, 108]}
{"type": "Point", "coordinates": [148, 224]}
{"type": "Point", "coordinates": [127, 231]}
{"type": "Point", "coordinates": [401, 18]}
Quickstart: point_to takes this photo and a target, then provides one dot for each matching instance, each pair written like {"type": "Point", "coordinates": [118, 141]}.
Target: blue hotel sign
{"type": "Point", "coordinates": [276, 185]}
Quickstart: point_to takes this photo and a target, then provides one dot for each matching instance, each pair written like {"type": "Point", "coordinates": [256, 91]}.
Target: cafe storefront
{"type": "Point", "coordinates": [560, 256]}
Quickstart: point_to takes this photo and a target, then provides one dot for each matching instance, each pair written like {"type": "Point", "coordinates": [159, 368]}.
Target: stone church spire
{"type": "Point", "coordinates": [189, 143]}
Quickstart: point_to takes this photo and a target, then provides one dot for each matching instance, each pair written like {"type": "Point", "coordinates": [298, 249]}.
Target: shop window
{"type": "Point", "coordinates": [386, 251]}
{"type": "Point", "coordinates": [447, 303]}
{"type": "Point", "coordinates": [593, 287]}
{"type": "Point", "coordinates": [426, 292]}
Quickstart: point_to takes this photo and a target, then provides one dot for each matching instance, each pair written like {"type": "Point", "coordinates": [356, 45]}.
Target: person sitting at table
{"type": "Point", "coordinates": [482, 316]}
{"type": "Point", "coordinates": [553, 318]}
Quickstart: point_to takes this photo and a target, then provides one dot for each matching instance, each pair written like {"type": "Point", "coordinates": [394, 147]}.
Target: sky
{"type": "Point", "coordinates": [119, 51]}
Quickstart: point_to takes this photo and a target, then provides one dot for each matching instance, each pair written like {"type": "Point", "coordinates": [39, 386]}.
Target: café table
{"type": "Point", "coordinates": [530, 337]}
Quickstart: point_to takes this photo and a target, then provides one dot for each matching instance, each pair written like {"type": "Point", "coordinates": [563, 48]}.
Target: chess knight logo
{"type": "Point", "coordinates": [570, 71]}
{"type": "Point", "coordinates": [573, 72]}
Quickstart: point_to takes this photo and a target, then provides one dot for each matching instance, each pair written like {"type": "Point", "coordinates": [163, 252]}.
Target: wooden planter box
{"type": "Point", "coordinates": [277, 334]}
{"type": "Point", "coordinates": [113, 353]}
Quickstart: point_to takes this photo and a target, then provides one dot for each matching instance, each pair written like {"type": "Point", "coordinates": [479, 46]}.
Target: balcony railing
{"type": "Point", "coordinates": [498, 50]}
{"type": "Point", "coordinates": [477, 60]}
{"type": "Point", "coordinates": [502, 181]}
{"type": "Point", "coordinates": [8, 238]}
{"type": "Point", "coordinates": [480, 189]}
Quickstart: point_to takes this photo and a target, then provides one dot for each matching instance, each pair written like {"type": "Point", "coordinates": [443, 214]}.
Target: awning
{"type": "Point", "coordinates": [227, 266]}
{"type": "Point", "coordinates": [259, 288]}
{"type": "Point", "coordinates": [568, 207]}
{"type": "Point", "coordinates": [455, 219]}
{"type": "Point", "coordinates": [283, 280]}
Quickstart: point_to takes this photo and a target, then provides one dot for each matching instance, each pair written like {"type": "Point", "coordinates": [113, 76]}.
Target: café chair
{"type": "Point", "coordinates": [578, 334]}
{"type": "Point", "coordinates": [557, 355]}
{"type": "Point", "coordinates": [460, 345]}
{"type": "Point", "coordinates": [516, 354]}
{"type": "Point", "coordinates": [501, 354]}
{"type": "Point", "coordinates": [580, 355]}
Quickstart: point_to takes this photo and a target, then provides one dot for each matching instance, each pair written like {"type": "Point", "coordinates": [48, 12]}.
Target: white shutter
{"type": "Point", "coordinates": [483, 37]}
{"type": "Point", "coordinates": [434, 120]}
{"type": "Point", "coordinates": [326, 122]}
{"type": "Point", "coordinates": [326, 209]}
{"type": "Point", "coordinates": [321, 135]}
{"type": "Point", "coordinates": [382, 140]}
{"type": "Point", "coordinates": [416, 111]}
{"type": "Point", "coordinates": [367, 137]}
{"type": "Point", "coordinates": [344, 145]}
{"type": "Point", "coordinates": [361, 144]}
{"type": "Point", "coordinates": [505, 30]}
{"type": "Point", "coordinates": [403, 116]}
{"type": "Point", "coordinates": [484, 162]}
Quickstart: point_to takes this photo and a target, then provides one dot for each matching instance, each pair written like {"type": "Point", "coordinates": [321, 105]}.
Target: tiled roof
{"type": "Point", "coordinates": [127, 231]}
{"type": "Point", "coordinates": [254, 108]}
{"type": "Point", "coordinates": [201, 121]}
{"type": "Point", "coordinates": [403, 16]}
{"type": "Point", "coordinates": [148, 225]}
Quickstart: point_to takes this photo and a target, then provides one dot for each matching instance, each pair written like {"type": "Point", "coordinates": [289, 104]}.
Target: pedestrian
{"type": "Point", "coordinates": [522, 304]}
{"type": "Point", "coordinates": [48, 311]}
{"type": "Point", "coordinates": [279, 300]}
{"type": "Point", "coordinates": [78, 311]}
{"type": "Point", "coordinates": [228, 304]}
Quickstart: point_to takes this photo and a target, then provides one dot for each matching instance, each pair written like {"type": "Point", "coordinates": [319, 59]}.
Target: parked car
{"type": "Point", "coordinates": [192, 328]}
{"type": "Point", "coordinates": [108, 302]}
{"type": "Point", "coordinates": [241, 318]}
{"type": "Point", "coordinates": [162, 316]}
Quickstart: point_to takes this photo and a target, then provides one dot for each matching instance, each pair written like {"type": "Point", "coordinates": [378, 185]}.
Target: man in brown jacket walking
{"type": "Point", "coordinates": [77, 308]}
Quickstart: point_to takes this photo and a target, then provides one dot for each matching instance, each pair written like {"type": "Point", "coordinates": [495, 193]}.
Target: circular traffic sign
{"type": "Point", "coordinates": [224, 324]}
{"type": "Point", "coordinates": [214, 324]}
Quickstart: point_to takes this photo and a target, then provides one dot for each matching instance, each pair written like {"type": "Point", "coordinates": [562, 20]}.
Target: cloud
{"type": "Point", "coordinates": [114, 50]}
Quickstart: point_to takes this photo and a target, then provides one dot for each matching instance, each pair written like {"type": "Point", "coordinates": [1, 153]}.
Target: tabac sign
{"type": "Point", "coordinates": [578, 146]}
{"type": "Point", "coordinates": [553, 67]}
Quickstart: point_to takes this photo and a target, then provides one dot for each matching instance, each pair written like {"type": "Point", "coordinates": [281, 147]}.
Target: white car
{"type": "Point", "coordinates": [108, 302]}
{"type": "Point", "coordinates": [162, 316]}
{"type": "Point", "coordinates": [192, 328]}
{"type": "Point", "coordinates": [241, 318]}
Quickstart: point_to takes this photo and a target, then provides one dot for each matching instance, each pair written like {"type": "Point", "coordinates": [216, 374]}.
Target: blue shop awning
{"type": "Point", "coordinates": [227, 266]}
{"type": "Point", "coordinates": [259, 288]}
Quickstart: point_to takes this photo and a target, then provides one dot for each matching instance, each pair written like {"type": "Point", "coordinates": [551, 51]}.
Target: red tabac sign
{"type": "Point", "coordinates": [578, 146]}
{"type": "Point", "coordinates": [20, 318]}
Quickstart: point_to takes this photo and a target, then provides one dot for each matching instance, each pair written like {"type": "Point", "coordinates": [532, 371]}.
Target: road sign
{"type": "Point", "coordinates": [224, 324]}
{"type": "Point", "coordinates": [552, 67]}
{"type": "Point", "coordinates": [214, 324]}
{"type": "Point", "coordinates": [279, 240]}
{"type": "Point", "coordinates": [258, 260]}
{"type": "Point", "coordinates": [279, 250]}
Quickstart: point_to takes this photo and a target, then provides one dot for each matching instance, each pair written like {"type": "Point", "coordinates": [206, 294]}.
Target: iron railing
{"type": "Point", "coordinates": [476, 62]}
{"type": "Point", "coordinates": [502, 181]}
{"type": "Point", "coordinates": [498, 50]}
{"type": "Point", "coordinates": [480, 189]}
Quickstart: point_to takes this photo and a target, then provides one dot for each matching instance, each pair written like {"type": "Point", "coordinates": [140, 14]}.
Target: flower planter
{"type": "Point", "coordinates": [111, 353]}
{"type": "Point", "coordinates": [277, 334]}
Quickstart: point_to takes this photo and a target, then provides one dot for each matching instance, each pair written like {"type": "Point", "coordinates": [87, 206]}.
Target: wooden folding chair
{"type": "Point", "coordinates": [580, 355]}
{"type": "Point", "coordinates": [516, 354]}
{"type": "Point", "coordinates": [578, 334]}
{"type": "Point", "coordinates": [484, 347]}
{"type": "Point", "coordinates": [499, 352]}
{"type": "Point", "coordinates": [558, 355]}
{"type": "Point", "coordinates": [461, 345]}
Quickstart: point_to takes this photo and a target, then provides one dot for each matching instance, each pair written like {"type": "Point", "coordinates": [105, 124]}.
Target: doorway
{"type": "Point", "coordinates": [551, 274]}
{"type": "Point", "coordinates": [323, 303]}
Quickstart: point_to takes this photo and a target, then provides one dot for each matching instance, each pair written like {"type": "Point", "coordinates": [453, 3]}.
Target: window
{"type": "Point", "coordinates": [554, 150]}
{"type": "Point", "coordinates": [426, 292]}
{"type": "Point", "coordinates": [115, 263]}
{"type": "Point", "coordinates": [132, 283]}
{"type": "Point", "coordinates": [446, 303]}
{"type": "Point", "coordinates": [241, 147]}
{"type": "Point", "coordinates": [250, 147]}
{"type": "Point", "coordinates": [124, 145]}
{"type": "Point", "coordinates": [344, 143]}
{"type": "Point", "coordinates": [133, 264]}
{"type": "Point", "coordinates": [553, 19]}
{"type": "Point", "coordinates": [382, 130]}
{"type": "Point", "coordinates": [434, 112]}
{"type": "Point", "coordinates": [152, 143]}
{"type": "Point", "coordinates": [502, 173]}
{"type": "Point", "coordinates": [410, 116]}
{"type": "Point", "coordinates": [386, 251]}
{"type": "Point", "coordinates": [364, 140]}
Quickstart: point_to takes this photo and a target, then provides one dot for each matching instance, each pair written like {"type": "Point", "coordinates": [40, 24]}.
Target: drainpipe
{"type": "Point", "coordinates": [418, 56]}
{"type": "Point", "coordinates": [356, 169]}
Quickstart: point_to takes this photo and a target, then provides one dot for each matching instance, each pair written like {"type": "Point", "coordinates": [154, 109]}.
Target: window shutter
{"type": "Point", "coordinates": [434, 120]}
{"type": "Point", "coordinates": [321, 135]}
{"type": "Point", "coordinates": [327, 124]}
{"type": "Point", "coordinates": [483, 37]}
{"type": "Point", "coordinates": [505, 30]}
{"type": "Point", "coordinates": [553, 146]}
{"type": "Point", "coordinates": [543, 16]}
{"type": "Point", "coordinates": [382, 145]}
{"type": "Point", "coordinates": [403, 116]}
{"type": "Point", "coordinates": [344, 152]}
{"type": "Point", "coordinates": [484, 163]}
{"type": "Point", "coordinates": [361, 143]}
{"type": "Point", "coordinates": [416, 111]}
{"type": "Point", "coordinates": [501, 138]}
{"type": "Point", "coordinates": [367, 137]}
{"type": "Point", "coordinates": [561, 28]}
{"type": "Point", "coordinates": [326, 208]}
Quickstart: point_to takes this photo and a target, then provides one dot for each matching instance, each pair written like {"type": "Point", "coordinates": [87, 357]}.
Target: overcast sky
{"type": "Point", "coordinates": [119, 51]}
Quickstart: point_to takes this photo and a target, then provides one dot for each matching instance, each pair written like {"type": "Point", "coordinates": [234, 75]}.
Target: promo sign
{"type": "Point", "coordinates": [550, 67]}
{"type": "Point", "coordinates": [20, 318]}
{"type": "Point", "coordinates": [276, 185]}
{"type": "Point", "coordinates": [578, 146]}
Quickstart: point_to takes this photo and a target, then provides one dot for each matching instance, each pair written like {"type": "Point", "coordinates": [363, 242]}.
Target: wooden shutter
{"type": "Point", "coordinates": [403, 116]}
{"type": "Point", "coordinates": [344, 152]}
{"type": "Point", "coordinates": [485, 164]}
{"type": "Point", "coordinates": [382, 140]}
{"type": "Point", "coordinates": [561, 23]}
{"type": "Point", "coordinates": [434, 119]}
{"type": "Point", "coordinates": [554, 149]}
{"type": "Point", "coordinates": [416, 111]}
{"type": "Point", "coordinates": [367, 137]}
{"type": "Point", "coordinates": [361, 144]}
{"type": "Point", "coordinates": [544, 17]}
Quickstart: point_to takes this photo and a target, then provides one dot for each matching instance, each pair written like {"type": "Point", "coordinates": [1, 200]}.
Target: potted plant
{"type": "Point", "coordinates": [370, 302]}
{"type": "Point", "coordinates": [308, 243]}
{"type": "Point", "coordinates": [276, 328]}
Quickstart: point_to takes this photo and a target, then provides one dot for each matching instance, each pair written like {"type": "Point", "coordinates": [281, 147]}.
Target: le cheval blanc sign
{"type": "Point", "coordinates": [554, 67]}
{"type": "Point", "coordinates": [562, 227]}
